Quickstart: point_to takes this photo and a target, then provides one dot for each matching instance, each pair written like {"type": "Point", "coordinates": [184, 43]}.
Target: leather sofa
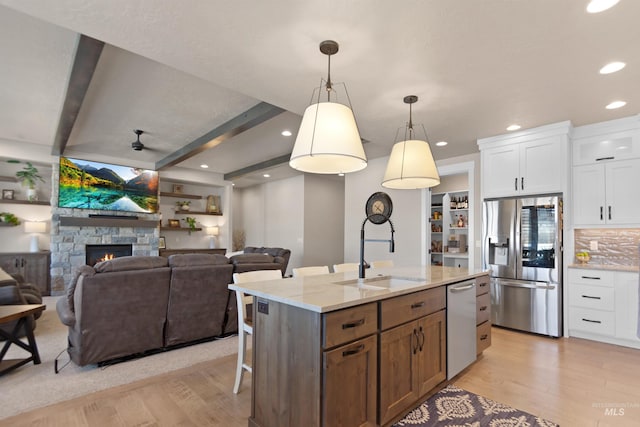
{"type": "Point", "coordinates": [137, 305]}
{"type": "Point", "coordinates": [261, 258]}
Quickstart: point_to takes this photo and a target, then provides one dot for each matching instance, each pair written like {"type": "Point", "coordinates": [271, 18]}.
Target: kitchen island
{"type": "Point", "coordinates": [329, 350]}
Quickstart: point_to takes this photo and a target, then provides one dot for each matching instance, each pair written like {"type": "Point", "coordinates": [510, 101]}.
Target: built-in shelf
{"type": "Point", "coordinates": [180, 195]}
{"type": "Point", "coordinates": [24, 202]}
{"type": "Point", "coordinates": [69, 221]}
{"type": "Point", "coordinates": [456, 255]}
{"type": "Point", "coordinates": [8, 179]}
{"type": "Point", "coordinates": [163, 228]}
{"type": "Point", "coordinates": [7, 224]}
{"type": "Point", "coordinates": [198, 213]}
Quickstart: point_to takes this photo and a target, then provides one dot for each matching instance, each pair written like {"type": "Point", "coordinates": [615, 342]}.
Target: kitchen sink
{"type": "Point", "coordinates": [380, 282]}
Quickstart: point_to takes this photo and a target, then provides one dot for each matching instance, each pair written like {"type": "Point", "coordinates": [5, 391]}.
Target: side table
{"type": "Point", "coordinates": [19, 313]}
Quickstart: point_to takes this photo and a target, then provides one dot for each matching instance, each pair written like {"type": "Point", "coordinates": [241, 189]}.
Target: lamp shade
{"type": "Point", "coordinates": [35, 227]}
{"type": "Point", "coordinates": [212, 231]}
{"type": "Point", "coordinates": [411, 166]}
{"type": "Point", "coordinates": [328, 141]}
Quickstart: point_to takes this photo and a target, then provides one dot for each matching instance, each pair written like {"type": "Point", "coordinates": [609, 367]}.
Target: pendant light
{"type": "Point", "coordinates": [411, 163]}
{"type": "Point", "coordinates": [328, 140]}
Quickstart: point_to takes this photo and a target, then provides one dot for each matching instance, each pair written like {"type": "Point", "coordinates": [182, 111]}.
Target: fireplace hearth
{"type": "Point", "coordinates": [98, 253]}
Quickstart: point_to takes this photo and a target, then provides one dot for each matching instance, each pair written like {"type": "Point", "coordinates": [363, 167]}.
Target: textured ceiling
{"type": "Point", "coordinates": [180, 69]}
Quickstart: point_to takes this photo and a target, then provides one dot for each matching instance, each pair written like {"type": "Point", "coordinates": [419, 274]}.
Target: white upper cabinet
{"type": "Point", "coordinates": [606, 173]}
{"type": "Point", "coordinates": [606, 193]}
{"type": "Point", "coordinates": [601, 142]}
{"type": "Point", "coordinates": [525, 163]}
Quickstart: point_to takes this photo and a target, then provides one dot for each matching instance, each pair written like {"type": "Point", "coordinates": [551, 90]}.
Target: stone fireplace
{"type": "Point", "coordinates": [72, 230]}
{"type": "Point", "coordinates": [97, 253]}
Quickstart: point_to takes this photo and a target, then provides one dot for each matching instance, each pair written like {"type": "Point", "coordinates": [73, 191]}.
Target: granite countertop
{"type": "Point", "coordinates": [611, 267]}
{"type": "Point", "coordinates": [329, 292]}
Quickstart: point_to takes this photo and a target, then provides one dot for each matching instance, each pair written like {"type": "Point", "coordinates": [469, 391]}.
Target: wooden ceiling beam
{"type": "Point", "coordinates": [85, 61]}
{"type": "Point", "coordinates": [242, 122]}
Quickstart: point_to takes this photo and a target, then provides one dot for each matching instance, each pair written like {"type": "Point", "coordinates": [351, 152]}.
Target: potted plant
{"type": "Point", "coordinates": [9, 218]}
{"type": "Point", "coordinates": [29, 176]}
{"type": "Point", "coordinates": [191, 221]}
{"type": "Point", "coordinates": [183, 205]}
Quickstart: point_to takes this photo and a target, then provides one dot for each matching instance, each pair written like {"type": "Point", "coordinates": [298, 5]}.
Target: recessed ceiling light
{"type": "Point", "coordinates": [340, 174]}
{"type": "Point", "coordinates": [441, 143]}
{"type": "Point", "coordinates": [266, 175]}
{"type": "Point", "coordinates": [612, 67]}
{"type": "Point", "coordinates": [513, 127]}
{"type": "Point", "coordinates": [616, 104]}
{"type": "Point", "coordinates": [597, 6]}
{"type": "Point", "coordinates": [286, 133]}
{"type": "Point", "coordinates": [204, 166]}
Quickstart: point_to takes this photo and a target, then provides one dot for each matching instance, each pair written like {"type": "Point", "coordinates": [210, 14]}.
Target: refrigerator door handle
{"type": "Point", "coordinates": [527, 285]}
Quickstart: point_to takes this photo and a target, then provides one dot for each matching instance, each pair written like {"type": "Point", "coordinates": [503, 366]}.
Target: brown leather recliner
{"type": "Point", "coordinates": [251, 260]}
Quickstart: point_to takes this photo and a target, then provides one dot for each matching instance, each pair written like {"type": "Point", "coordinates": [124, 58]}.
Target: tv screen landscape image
{"type": "Point", "coordinates": [92, 185]}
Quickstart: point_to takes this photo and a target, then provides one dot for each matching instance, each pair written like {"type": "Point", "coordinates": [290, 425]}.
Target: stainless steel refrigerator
{"type": "Point", "coordinates": [522, 248]}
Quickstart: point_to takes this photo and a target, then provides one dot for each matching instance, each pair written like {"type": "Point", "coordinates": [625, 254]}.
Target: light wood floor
{"type": "Point", "coordinates": [570, 381]}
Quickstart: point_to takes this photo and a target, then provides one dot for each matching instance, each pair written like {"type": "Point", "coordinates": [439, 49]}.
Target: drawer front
{"type": "Point", "coordinates": [595, 297]}
{"type": "Point", "coordinates": [483, 337]}
{"type": "Point", "coordinates": [482, 285]}
{"type": "Point", "coordinates": [591, 277]}
{"type": "Point", "coordinates": [593, 321]}
{"type": "Point", "coordinates": [350, 324]}
{"type": "Point", "coordinates": [483, 308]}
{"type": "Point", "coordinates": [399, 310]}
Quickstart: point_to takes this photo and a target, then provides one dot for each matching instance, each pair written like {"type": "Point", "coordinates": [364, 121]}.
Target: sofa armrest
{"type": "Point", "coordinates": [67, 317]}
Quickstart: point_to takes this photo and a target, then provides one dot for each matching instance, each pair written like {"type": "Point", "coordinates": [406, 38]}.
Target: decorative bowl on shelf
{"type": "Point", "coordinates": [583, 257]}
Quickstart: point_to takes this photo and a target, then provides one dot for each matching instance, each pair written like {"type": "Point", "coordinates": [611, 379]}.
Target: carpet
{"type": "Point", "coordinates": [453, 406]}
{"type": "Point", "coordinates": [34, 386]}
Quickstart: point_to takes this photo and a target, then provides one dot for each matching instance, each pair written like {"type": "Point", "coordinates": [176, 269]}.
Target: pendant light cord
{"type": "Point", "coordinates": [329, 84]}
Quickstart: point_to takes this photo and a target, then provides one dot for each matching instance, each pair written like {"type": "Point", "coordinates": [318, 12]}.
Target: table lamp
{"type": "Point", "coordinates": [34, 227]}
{"type": "Point", "coordinates": [212, 232]}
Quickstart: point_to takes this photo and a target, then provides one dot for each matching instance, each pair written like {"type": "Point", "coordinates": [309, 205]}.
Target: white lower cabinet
{"type": "Point", "coordinates": [603, 306]}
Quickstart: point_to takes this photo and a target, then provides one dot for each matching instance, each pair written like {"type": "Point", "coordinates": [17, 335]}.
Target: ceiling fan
{"type": "Point", "coordinates": [137, 145]}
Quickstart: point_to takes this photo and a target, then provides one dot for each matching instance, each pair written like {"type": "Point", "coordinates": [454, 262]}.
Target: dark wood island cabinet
{"type": "Point", "coordinates": [330, 352]}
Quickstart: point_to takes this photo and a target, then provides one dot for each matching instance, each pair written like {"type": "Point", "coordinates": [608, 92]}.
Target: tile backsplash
{"type": "Point", "coordinates": [616, 246]}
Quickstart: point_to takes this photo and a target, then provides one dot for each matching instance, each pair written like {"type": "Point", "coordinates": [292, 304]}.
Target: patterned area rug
{"type": "Point", "coordinates": [454, 407]}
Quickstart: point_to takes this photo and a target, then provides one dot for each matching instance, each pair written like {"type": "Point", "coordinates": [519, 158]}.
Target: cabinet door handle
{"type": "Point", "coordinates": [522, 183]}
{"type": "Point", "coordinates": [605, 158]}
{"type": "Point", "coordinates": [483, 308]}
{"type": "Point", "coordinates": [421, 338]}
{"type": "Point", "coordinates": [17, 263]}
{"type": "Point", "coordinates": [353, 324]}
{"type": "Point", "coordinates": [22, 262]}
{"type": "Point", "coordinates": [356, 350]}
{"type": "Point", "coordinates": [591, 321]}
{"type": "Point", "coordinates": [516, 184]}
{"type": "Point", "coordinates": [417, 304]}
{"type": "Point", "coordinates": [591, 277]}
{"type": "Point", "coordinates": [483, 337]}
{"type": "Point", "coordinates": [601, 214]}
{"type": "Point", "coordinates": [590, 297]}
{"type": "Point", "coordinates": [609, 211]}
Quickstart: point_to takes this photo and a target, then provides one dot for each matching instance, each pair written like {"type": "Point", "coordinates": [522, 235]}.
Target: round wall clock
{"type": "Point", "coordinates": [379, 208]}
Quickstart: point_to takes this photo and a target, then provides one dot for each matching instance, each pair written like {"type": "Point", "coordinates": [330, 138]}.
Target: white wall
{"type": "Point", "coordinates": [323, 220]}
{"type": "Point", "coordinates": [272, 215]}
{"type": "Point", "coordinates": [406, 218]}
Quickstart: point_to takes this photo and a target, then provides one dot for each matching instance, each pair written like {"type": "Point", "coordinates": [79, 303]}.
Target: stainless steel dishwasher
{"type": "Point", "coordinates": [461, 326]}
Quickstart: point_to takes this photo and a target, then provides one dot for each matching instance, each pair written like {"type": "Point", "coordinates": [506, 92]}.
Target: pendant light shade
{"type": "Point", "coordinates": [411, 164]}
{"type": "Point", "coordinates": [328, 141]}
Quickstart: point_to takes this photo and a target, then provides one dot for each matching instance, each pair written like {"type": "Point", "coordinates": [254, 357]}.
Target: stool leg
{"type": "Point", "coordinates": [242, 344]}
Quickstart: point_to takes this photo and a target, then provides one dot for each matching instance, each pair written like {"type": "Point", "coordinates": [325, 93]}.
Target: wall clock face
{"type": "Point", "coordinates": [379, 208]}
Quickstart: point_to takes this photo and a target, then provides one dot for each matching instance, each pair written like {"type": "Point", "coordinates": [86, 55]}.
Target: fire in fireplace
{"type": "Point", "coordinates": [98, 253]}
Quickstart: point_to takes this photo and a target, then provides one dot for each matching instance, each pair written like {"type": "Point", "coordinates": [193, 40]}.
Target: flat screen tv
{"type": "Point", "coordinates": [86, 184]}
